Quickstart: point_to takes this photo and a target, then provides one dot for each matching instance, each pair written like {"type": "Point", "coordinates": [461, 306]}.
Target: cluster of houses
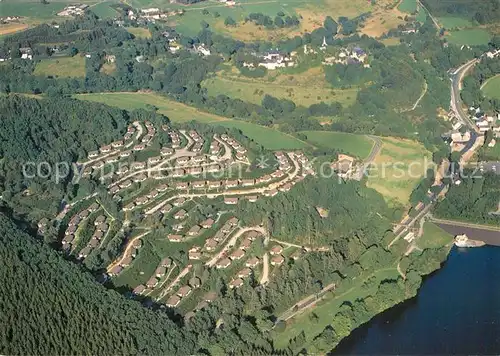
{"type": "Point", "coordinates": [198, 141]}
{"type": "Point", "coordinates": [73, 10]}
{"type": "Point", "coordinates": [101, 228]}
{"type": "Point", "coordinates": [344, 166]}
{"type": "Point", "coordinates": [159, 273]}
{"type": "Point", "coordinates": [75, 221]}
{"type": "Point", "coordinates": [183, 292]}
{"type": "Point", "coordinates": [347, 56]}
{"type": "Point", "coordinates": [273, 60]}
{"type": "Point", "coordinates": [238, 147]}
{"type": "Point", "coordinates": [147, 15]}
{"type": "Point", "coordinates": [485, 122]}
{"type": "Point", "coordinates": [127, 259]}
{"type": "Point", "coordinates": [238, 253]}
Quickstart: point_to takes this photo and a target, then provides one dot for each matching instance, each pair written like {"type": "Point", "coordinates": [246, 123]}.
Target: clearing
{"type": "Point", "coordinates": [491, 88]}
{"type": "Point", "coordinates": [398, 168]}
{"type": "Point", "coordinates": [104, 10]}
{"type": "Point", "coordinates": [270, 138]}
{"type": "Point", "coordinates": [451, 23]}
{"type": "Point", "coordinates": [433, 237]}
{"type": "Point", "coordinates": [176, 111]}
{"type": "Point", "coordinates": [306, 88]}
{"type": "Point", "coordinates": [356, 145]}
{"type": "Point", "coordinates": [61, 67]}
{"type": "Point", "coordinates": [470, 37]}
{"type": "Point", "coordinates": [139, 32]}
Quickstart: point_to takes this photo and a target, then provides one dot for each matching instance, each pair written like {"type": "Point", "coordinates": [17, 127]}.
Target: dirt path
{"type": "Point", "coordinates": [127, 250]}
{"type": "Point", "coordinates": [265, 269]}
{"type": "Point", "coordinates": [232, 242]}
{"type": "Point", "coordinates": [418, 100]}
{"type": "Point", "coordinates": [181, 275]}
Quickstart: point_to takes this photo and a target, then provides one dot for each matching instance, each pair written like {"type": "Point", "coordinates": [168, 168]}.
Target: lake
{"type": "Point", "coordinates": [457, 311]}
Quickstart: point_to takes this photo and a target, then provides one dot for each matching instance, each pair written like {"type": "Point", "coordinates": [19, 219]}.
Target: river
{"type": "Point", "coordinates": [457, 311]}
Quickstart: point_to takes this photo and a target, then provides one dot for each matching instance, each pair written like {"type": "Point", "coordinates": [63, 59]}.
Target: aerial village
{"type": "Point", "coordinates": [180, 199]}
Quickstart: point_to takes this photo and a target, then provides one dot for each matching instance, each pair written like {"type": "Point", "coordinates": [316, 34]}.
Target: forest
{"type": "Point", "coordinates": [484, 11]}
{"type": "Point", "coordinates": [473, 200]}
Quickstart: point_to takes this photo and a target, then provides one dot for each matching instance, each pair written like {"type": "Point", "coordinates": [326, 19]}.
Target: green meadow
{"type": "Point", "coordinates": [356, 145]}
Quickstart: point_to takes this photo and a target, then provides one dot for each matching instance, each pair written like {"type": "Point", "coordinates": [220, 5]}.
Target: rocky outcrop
{"type": "Point", "coordinates": [464, 241]}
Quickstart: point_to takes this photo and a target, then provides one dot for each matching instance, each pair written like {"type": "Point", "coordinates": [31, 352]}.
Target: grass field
{"type": "Point", "coordinates": [491, 88]}
{"type": "Point", "coordinates": [62, 67]}
{"type": "Point", "coordinates": [139, 32]}
{"type": "Point", "coordinates": [326, 309]}
{"type": "Point", "coordinates": [433, 237]}
{"type": "Point", "coordinates": [307, 88]}
{"type": "Point", "coordinates": [35, 9]}
{"type": "Point", "coordinates": [398, 168]}
{"type": "Point", "coordinates": [408, 6]}
{"type": "Point", "coordinates": [104, 10]}
{"type": "Point", "coordinates": [471, 37]}
{"type": "Point", "coordinates": [494, 153]}
{"type": "Point", "coordinates": [269, 138]}
{"type": "Point", "coordinates": [177, 112]}
{"type": "Point", "coordinates": [450, 22]}
{"type": "Point", "coordinates": [356, 145]}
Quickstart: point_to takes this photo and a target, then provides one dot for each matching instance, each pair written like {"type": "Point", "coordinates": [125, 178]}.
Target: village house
{"type": "Point", "coordinates": [174, 238]}
{"type": "Point", "coordinates": [237, 255]}
{"type": "Point", "coordinates": [195, 170]}
{"type": "Point", "coordinates": [152, 282]}
{"type": "Point", "coordinates": [166, 151]}
{"type": "Point", "coordinates": [178, 227]}
{"type": "Point", "coordinates": [99, 234]}
{"type": "Point", "coordinates": [285, 188]}
{"type": "Point", "coordinates": [194, 282]}
{"type": "Point", "coordinates": [198, 184]}
{"type": "Point", "coordinates": [240, 156]}
{"type": "Point", "coordinates": [233, 221]}
{"type": "Point", "coordinates": [184, 291]}
{"type": "Point", "coordinates": [100, 220]}
{"type": "Point", "coordinates": [166, 209]}
{"type": "Point", "coordinates": [84, 214]}
{"type": "Point", "coordinates": [173, 301]}
{"type": "Point", "coordinates": [179, 201]}
{"type": "Point", "coordinates": [247, 182]}
{"type": "Point", "coordinates": [139, 178]}
{"type": "Point", "coordinates": [93, 154]}
{"type": "Point", "coordinates": [154, 160]}
{"type": "Point", "coordinates": [198, 159]}
{"type": "Point", "coordinates": [112, 159]}
{"type": "Point", "coordinates": [75, 220]}
{"type": "Point", "coordinates": [226, 228]}
{"type": "Point", "coordinates": [182, 185]}
{"type": "Point", "coordinates": [224, 263]}
{"type": "Point", "coordinates": [211, 244]}
{"type": "Point", "coordinates": [127, 261]}
{"type": "Point", "coordinates": [137, 165]}
{"type": "Point", "coordinates": [194, 255]}
{"type": "Point", "coordinates": [245, 273]}
{"type": "Point", "coordinates": [166, 262]}
{"type": "Point", "coordinates": [214, 184]}
{"type": "Point", "coordinates": [207, 224]}
{"type": "Point", "coordinates": [181, 214]}
{"type": "Point", "coordinates": [147, 138]}
{"type": "Point", "coordinates": [276, 250]}
{"type": "Point", "coordinates": [344, 166]}
{"type": "Point", "coordinates": [213, 168]}
{"type": "Point", "coordinates": [122, 170]}
{"type": "Point", "coordinates": [198, 146]}
{"type": "Point", "coordinates": [194, 231]}
{"type": "Point", "coordinates": [177, 173]}
{"type": "Point", "coordinates": [152, 194]}
{"type": "Point", "coordinates": [236, 283]}
{"type": "Point", "coordinates": [252, 198]}
{"type": "Point", "coordinates": [219, 236]}
{"type": "Point", "coordinates": [160, 271]}
{"type": "Point", "coordinates": [138, 148]}
{"type": "Point", "coordinates": [264, 179]}
{"type": "Point", "coordinates": [182, 160]}
{"type": "Point", "coordinates": [210, 297]}
{"type": "Point", "coordinates": [116, 270]}
{"type": "Point", "coordinates": [231, 201]}
{"type": "Point", "coordinates": [162, 188]}
{"type": "Point", "coordinates": [246, 244]}
{"type": "Point", "coordinates": [105, 149]}
{"type": "Point", "coordinates": [84, 252]}
{"type": "Point", "coordinates": [277, 260]}
{"type": "Point", "coordinates": [139, 289]}
{"type": "Point", "coordinates": [117, 144]}
{"type": "Point", "coordinates": [98, 165]}
{"type": "Point", "coordinates": [93, 242]}
{"type": "Point", "coordinates": [129, 207]}
{"type": "Point", "coordinates": [68, 239]}
{"type": "Point", "coordinates": [127, 136]}
{"type": "Point", "coordinates": [270, 193]}
{"type": "Point", "coordinates": [137, 244]}
{"type": "Point", "coordinates": [231, 183]}
{"type": "Point", "coordinates": [125, 184]}
{"type": "Point", "coordinates": [252, 262]}
{"type": "Point", "coordinates": [277, 174]}
{"type": "Point", "coordinates": [93, 208]}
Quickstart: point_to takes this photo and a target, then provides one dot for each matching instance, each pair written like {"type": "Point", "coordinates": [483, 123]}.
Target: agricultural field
{"type": "Point", "coordinates": [408, 6]}
{"type": "Point", "coordinates": [34, 10]}
{"type": "Point", "coordinates": [104, 9]}
{"type": "Point", "coordinates": [269, 138]}
{"type": "Point", "coordinates": [62, 67]}
{"type": "Point", "coordinates": [139, 32]}
{"type": "Point", "coordinates": [433, 237]}
{"type": "Point", "coordinates": [11, 28]}
{"type": "Point", "coordinates": [176, 111]}
{"type": "Point", "coordinates": [397, 169]}
{"type": "Point", "coordinates": [312, 12]}
{"type": "Point", "coordinates": [306, 88]}
{"type": "Point", "coordinates": [356, 145]}
{"type": "Point", "coordinates": [491, 88]}
{"type": "Point", "coordinates": [450, 22]}
{"type": "Point", "coordinates": [470, 37]}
